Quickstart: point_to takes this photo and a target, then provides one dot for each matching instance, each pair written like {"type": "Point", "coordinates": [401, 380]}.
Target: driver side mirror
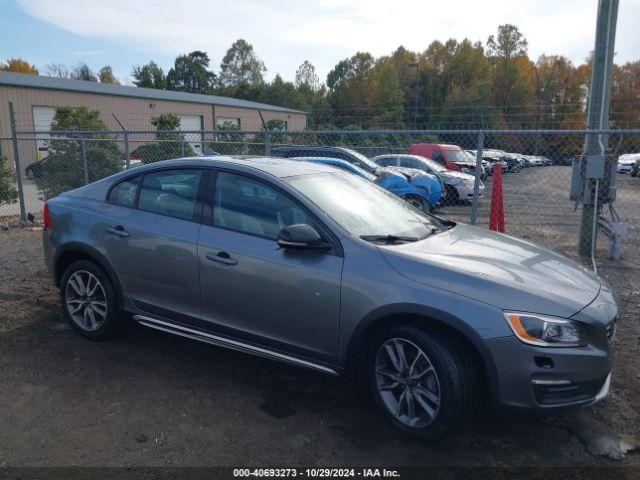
{"type": "Point", "coordinates": [302, 237]}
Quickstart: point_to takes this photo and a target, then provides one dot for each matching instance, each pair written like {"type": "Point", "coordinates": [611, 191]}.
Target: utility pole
{"type": "Point", "coordinates": [597, 117]}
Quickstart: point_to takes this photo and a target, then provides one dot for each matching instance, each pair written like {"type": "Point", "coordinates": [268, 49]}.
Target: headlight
{"type": "Point", "coordinates": [466, 182]}
{"type": "Point", "coordinates": [546, 331]}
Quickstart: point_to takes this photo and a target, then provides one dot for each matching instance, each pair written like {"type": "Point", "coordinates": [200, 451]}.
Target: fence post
{"type": "Point", "coordinates": [16, 159]}
{"type": "Point", "coordinates": [127, 156]}
{"type": "Point", "coordinates": [267, 142]}
{"type": "Point", "coordinates": [476, 183]}
{"type": "Point", "coordinates": [182, 148]}
{"type": "Point", "coordinates": [83, 149]}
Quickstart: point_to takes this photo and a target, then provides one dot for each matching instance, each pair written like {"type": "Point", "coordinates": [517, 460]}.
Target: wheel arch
{"type": "Point", "coordinates": [71, 252]}
{"type": "Point", "coordinates": [421, 316]}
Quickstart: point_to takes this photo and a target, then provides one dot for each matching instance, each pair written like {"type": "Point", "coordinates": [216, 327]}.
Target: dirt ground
{"type": "Point", "coordinates": [151, 399]}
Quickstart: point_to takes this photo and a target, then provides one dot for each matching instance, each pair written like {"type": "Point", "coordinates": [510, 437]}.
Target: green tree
{"type": "Point", "coordinates": [83, 72]}
{"type": "Point", "coordinates": [190, 74]}
{"type": "Point", "coordinates": [149, 76]}
{"type": "Point", "coordinates": [105, 75]}
{"type": "Point", "coordinates": [241, 65]}
{"type": "Point", "coordinates": [64, 168]}
{"type": "Point", "coordinates": [386, 97]}
{"type": "Point", "coordinates": [306, 76]}
{"type": "Point", "coordinates": [8, 190]}
{"type": "Point", "coordinates": [170, 141]}
{"type": "Point", "coordinates": [349, 85]}
{"type": "Point", "coordinates": [18, 65]}
{"type": "Point", "coordinates": [513, 71]}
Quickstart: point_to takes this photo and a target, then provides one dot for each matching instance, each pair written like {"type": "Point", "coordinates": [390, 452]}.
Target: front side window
{"type": "Point", "coordinates": [361, 207]}
{"type": "Point", "coordinates": [170, 192]}
{"type": "Point", "coordinates": [124, 193]}
{"type": "Point", "coordinates": [252, 207]}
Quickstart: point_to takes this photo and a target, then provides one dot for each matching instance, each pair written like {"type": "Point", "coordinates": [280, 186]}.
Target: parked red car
{"type": "Point", "coordinates": [448, 155]}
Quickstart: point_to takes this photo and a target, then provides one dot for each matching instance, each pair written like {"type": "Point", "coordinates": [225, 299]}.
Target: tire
{"type": "Point", "coordinates": [449, 388]}
{"type": "Point", "coordinates": [453, 197]}
{"type": "Point", "coordinates": [96, 316]}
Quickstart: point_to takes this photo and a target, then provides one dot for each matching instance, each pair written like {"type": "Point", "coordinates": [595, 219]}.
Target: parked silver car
{"type": "Point", "coordinates": [309, 265]}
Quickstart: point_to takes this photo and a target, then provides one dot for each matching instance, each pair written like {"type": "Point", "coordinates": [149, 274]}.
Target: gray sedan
{"type": "Point", "coordinates": [309, 265]}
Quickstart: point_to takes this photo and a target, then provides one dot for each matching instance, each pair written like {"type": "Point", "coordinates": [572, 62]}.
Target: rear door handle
{"type": "Point", "coordinates": [222, 257]}
{"type": "Point", "coordinates": [118, 230]}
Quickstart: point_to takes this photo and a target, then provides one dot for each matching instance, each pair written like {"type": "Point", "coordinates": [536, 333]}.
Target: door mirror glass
{"type": "Point", "coordinates": [301, 237]}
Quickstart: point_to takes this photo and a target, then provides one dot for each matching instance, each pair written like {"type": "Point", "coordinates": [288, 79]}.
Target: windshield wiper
{"type": "Point", "coordinates": [389, 238]}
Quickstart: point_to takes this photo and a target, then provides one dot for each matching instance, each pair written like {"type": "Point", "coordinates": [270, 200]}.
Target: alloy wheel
{"type": "Point", "coordinates": [86, 300]}
{"type": "Point", "coordinates": [407, 382]}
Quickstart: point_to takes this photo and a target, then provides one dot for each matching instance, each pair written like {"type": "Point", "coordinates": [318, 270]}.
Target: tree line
{"type": "Point", "coordinates": [452, 84]}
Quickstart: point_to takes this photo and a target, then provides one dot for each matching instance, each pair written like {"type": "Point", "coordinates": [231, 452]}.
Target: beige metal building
{"type": "Point", "coordinates": [35, 99]}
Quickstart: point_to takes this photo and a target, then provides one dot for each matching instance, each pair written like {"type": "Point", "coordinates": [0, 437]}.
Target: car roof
{"type": "Point", "coordinates": [275, 166]}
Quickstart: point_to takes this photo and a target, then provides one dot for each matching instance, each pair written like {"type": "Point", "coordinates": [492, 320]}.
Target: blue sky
{"type": "Point", "coordinates": [123, 33]}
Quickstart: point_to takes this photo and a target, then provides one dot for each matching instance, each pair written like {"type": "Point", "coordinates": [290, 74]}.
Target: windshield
{"type": "Point", "coordinates": [368, 164]}
{"type": "Point", "coordinates": [362, 208]}
{"type": "Point", "coordinates": [456, 156]}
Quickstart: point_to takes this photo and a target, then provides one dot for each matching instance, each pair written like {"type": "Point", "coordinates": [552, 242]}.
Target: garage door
{"type": "Point", "coordinates": [192, 122]}
{"type": "Point", "coordinates": [42, 119]}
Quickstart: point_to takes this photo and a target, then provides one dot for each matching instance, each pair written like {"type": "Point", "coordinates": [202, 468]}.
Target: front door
{"type": "Point", "coordinates": [255, 291]}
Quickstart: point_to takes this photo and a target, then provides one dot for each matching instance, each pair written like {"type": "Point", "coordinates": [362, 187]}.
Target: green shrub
{"type": "Point", "coordinates": [63, 169]}
{"type": "Point", "coordinates": [8, 190]}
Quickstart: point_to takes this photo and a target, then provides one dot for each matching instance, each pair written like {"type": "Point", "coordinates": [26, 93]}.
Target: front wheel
{"type": "Point", "coordinates": [89, 301]}
{"type": "Point", "coordinates": [424, 384]}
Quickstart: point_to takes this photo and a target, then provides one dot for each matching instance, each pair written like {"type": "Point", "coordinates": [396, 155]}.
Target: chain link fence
{"type": "Point", "coordinates": [542, 194]}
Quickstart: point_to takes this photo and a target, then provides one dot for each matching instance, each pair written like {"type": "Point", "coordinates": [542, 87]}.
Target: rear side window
{"type": "Point", "coordinates": [170, 192]}
{"type": "Point", "coordinates": [124, 193]}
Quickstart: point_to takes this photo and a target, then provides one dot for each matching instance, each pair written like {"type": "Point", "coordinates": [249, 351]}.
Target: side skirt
{"type": "Point", "coordinates": [229, 343]}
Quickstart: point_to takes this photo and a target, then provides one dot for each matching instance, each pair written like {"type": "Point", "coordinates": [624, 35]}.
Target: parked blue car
{"type": "Point", "coordinates": [420, 189]}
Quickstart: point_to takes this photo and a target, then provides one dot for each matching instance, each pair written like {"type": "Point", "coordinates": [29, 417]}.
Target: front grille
{"type": "Point", "coordinates": [611, 331]}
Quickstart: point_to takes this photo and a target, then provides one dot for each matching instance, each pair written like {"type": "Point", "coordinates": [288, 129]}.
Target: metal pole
{"type": "Point", "coordinates": [127, 156]}
{"type": "Point", "coordinates": [16, 159]}
{"type": "Point", "coordinates": [83, 149]}
{"type": "Point", "coordinates": [476, 183]}
{"type": "Point", "coordinates": [597, 114]}
{"type": "Point", "coordinates": [182, 148]}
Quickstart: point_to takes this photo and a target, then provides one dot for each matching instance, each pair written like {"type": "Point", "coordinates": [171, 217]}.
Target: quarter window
{"type": "Point", "coordinates": [124, 193]}
{"type": "Point", "coordinates": [249, 206]}
{"type": "Point", "coordinates": [170, 192]}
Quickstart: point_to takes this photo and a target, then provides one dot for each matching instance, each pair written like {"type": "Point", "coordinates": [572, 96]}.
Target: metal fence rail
{"type": "Point", "coordinates": [536, 183]}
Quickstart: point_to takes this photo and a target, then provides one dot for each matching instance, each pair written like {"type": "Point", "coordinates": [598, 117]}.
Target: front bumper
{"type": "Point", "coordinates": [466, 192]}
{"type": "Point", "coordinates": [549, 377]}
{"type": "Point", "coordinates": [538, 377]}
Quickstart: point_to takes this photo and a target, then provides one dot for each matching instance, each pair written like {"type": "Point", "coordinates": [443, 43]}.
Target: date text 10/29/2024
{"type": "Point", "coordinates": [316, 472]}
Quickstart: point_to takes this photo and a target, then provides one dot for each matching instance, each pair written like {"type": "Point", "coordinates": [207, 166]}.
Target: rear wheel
{"type": "Point", "coordinates": [89, 301]}
{"type": "Point", "coordinates": [424, 384]}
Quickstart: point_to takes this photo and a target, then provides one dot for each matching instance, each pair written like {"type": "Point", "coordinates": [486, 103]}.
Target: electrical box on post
{"type": "Point", "coordinates": [593, 167]}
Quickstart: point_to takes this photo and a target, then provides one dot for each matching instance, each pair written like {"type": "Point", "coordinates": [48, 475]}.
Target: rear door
{"type": "Point", "coordinates": [255, 291]}
{"type": "Point", "coordinates": [151, 239]}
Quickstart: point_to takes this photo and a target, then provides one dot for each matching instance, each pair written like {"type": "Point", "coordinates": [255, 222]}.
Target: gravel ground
{"type": "Point", "coordinates": [151, 399]}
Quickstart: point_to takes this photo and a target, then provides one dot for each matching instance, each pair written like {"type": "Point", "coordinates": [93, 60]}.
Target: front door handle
{"type": "Point", "coordinates": [118, 230]}
{"type": "Point", "coordinates": [222, 257]}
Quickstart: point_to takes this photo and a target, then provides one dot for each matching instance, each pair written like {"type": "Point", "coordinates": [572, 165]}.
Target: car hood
{"type": "Point", "coordinates": [456, 176]}
{"type": "Point", "coordinates": [496, 269]}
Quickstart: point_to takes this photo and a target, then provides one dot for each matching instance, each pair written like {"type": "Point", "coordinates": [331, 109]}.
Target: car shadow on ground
{"type": "Point", "coordinates": [153, 381]}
